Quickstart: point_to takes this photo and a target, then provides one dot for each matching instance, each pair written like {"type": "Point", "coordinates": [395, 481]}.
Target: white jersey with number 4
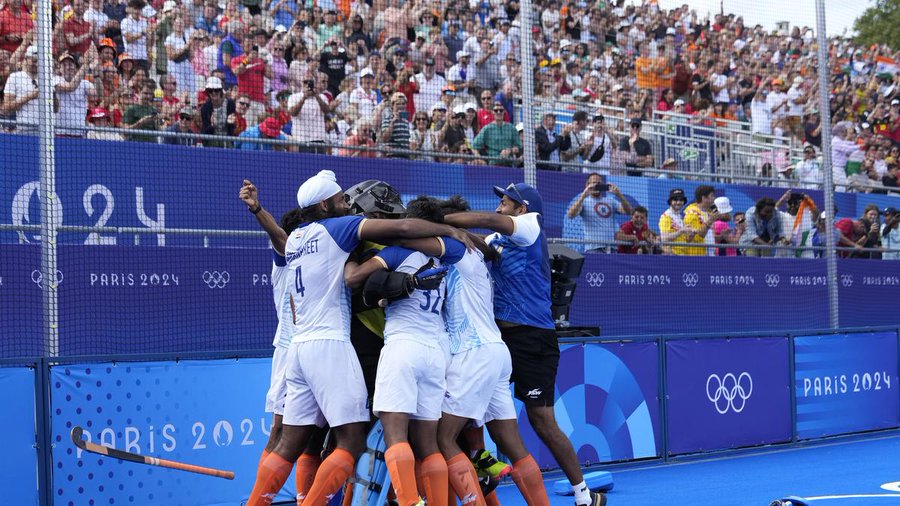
{"type": "Point", "coordinates": [316, 253]}
{"type": "Point", "coordinates": [470, 307]}
{"type": "Point", "coordinates": [418, 317]}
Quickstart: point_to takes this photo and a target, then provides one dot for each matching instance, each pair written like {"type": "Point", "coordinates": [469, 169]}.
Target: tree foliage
{"type": "Point", "coordinates": [880, 24]}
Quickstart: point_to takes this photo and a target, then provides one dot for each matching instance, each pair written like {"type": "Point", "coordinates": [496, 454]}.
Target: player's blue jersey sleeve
{"type": "Point", "coordinates": [344, 230]}
{"type": "Point", "coordinates": [393, 256]}
{"type": "Point", "coordinates": [453, 250]}
{"type": "Point", "coordinates": [278, 259]}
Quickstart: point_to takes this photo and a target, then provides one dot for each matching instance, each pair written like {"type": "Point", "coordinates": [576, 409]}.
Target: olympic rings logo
{"type": "Point", "coordinates": [216, 279]}
{"type": "Point", "coordinates": [38, 278]}
{"type": "Point", "coordinates": [690, 279]}
{"type": "Point", "coordinates": [594, 279]}
{"type": "Point", "coordinates": [847, 280]}
{"type": "Point", "coordinates": [729, 393]}
{"type": "Point", "coordinates": [772, 280]}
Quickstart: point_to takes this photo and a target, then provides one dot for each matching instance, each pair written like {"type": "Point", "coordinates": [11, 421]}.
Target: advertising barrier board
{"type": "Point", "coordinates": [846, 383]}
{"type": "Point", "coordinates": [727, 393]}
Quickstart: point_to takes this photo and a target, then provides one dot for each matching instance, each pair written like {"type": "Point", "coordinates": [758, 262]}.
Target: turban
{"type": "Point", "coordinates": [320, 187]}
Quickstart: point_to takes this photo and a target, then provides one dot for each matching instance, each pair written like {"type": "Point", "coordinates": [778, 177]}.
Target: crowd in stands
{"type": "Point", "coordinates": [442, 79]}
{"type": "Point", "coordinates": [791, 227]}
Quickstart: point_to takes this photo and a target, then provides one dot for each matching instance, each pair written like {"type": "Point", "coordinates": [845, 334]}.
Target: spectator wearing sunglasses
{"type": "Point", "coordinates": [808, 170]}
{"type": "Point", "coordinates": [499, 139]}
{"type": "Point", "coordinates": [453, 131]}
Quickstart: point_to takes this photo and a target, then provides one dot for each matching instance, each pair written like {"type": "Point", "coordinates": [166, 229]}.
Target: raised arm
{"type": "Point", "coordinates": [491, 221]}
{"type": "Point", "coordinates": [409, 228]}
{"type": "Point", "coordinates": [250, 196]}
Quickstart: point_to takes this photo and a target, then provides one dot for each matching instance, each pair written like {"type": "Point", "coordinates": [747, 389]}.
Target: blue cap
{"type": "Point", "coordinates": [523, 194]}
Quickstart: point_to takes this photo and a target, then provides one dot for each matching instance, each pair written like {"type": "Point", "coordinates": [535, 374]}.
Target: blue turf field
{"type": "Point", "coordinates": [862, 471]}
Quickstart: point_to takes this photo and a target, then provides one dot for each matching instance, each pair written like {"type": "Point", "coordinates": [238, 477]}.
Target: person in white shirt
{"type": "Point", "coordinates": [599, 155]}
{"type": "Point", "coordinates": [777, 100]}
{"type": "Point", "coordinates": [72, 92]}
{"type": "Point", "coordinates": [796, 100]}
{"type": "Point", "coordinates": [307, 109]}
{"type": "Point", "coordinates": [96, 17]}
{"type": "Point", "coordinates": [429, 85]}
{"type": "Point", "coordinates": [719, 82]}
{"type": "Point", "coordinates": [137, 34]}
{"type": "Point", "coordinates": [761, 112]}
{"type": "Point", "coordinates": [21, 93]}
{"type": "Point", "coordinates": [809, 171]}
{"type": "Point", "coordinates": [363, 96]}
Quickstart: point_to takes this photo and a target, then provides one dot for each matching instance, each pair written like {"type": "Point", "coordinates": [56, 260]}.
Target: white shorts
{"type": "Point", "coordinates": [277, 382]}
{"type": "Point", "coordinates": [324, 384]}
{"type": "Point", "coordinates": [410, 379]}
{"type": "Point", "coordinates": [478, 384]}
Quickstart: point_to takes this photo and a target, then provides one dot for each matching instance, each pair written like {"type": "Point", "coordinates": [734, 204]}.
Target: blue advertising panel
{"type": "Point", "coordinates": [607, 403]}
{"type": "Point", "coordinates": [18, 467]}
{"type": "Point", "coordinates": [21, 311]}
{"type": "Point", "coordinates": [727, 393]}
{"type": "Point", "coordinates": [208, 413]}
{"type": "Point", "coordinates": [862, 281]}
{"type": "Point", "coordinates": [750, 294]}
{"type": "Point", "coordinates": [131, 184]}
{"type": "Point", "coordinates": [846, 383]}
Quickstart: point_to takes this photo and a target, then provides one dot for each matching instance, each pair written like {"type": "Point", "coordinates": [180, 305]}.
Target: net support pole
{"type": "Point", "coordinates": [526, 56]}
{"type": "Point", "coordinates": [49, 218]}
{"type": "Point", "coordinates": [828, 189]}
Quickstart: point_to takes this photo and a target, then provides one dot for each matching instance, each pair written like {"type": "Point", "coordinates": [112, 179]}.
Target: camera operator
{"type": "Point", "coordinates": [597, 210]}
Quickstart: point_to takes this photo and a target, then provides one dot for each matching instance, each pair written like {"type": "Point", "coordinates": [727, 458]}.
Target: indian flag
{"type": "Point", "coordinates": [884, 64]}
{"type": "Point", "coordinates": [802, 230]}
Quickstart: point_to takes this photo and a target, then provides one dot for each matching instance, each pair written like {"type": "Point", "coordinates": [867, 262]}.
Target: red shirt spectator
{"type": "Point", "coordinates": [251, 76]}
{"type": "Point", "coordinates": [636, 231]}
{"type": "Point", "coordinates": [15, 22]}
{"type": "Point", "coordinates": [77, 31]}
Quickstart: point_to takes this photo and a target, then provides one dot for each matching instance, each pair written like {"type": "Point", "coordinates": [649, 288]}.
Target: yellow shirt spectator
{"type": "Point", "coordinates": [698, 219]}
{"type": "Point", "coordinates": [671, 228]}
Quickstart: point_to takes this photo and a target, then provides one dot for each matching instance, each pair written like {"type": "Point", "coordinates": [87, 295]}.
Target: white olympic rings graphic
{"type": "Point", "coordinates": [690, 279]}
{"type": "Point", "coordinates": [772, 280]}
{"type": "Point", "coordinates": [729, 393]}
{"type": "Point", "coordinates": [216, 279]}
{"type": "Point", "coordinates": [594, 279]}
{"type": "Point", "coordinates": [847, 280]}
{"type": "Point", "coordinates": [38, 278]}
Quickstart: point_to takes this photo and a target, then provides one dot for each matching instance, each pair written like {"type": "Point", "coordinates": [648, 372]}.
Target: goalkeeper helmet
{"type": "Point", "coordinates": [374, 196]}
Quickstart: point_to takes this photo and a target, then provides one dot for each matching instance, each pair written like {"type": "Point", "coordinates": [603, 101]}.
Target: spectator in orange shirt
{"type": "Point", "coordinates": [362, 137]}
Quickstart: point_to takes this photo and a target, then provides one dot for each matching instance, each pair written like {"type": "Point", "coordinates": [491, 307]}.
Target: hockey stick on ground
{"type": "Point", "coordinates": [143, 459]}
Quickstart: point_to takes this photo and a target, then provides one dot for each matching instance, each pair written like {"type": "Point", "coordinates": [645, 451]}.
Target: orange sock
{"type": "Point", "coordinates": [401, 463]}
{"type": "Point", "coordinates": [420, 485]}
{"type": "Point", "coordinates": [348, 495]}
{"type": "Point", "coordinates": [332, 474]}
{"type": "Point", "coordinates": [272, 474]}
{"type": "Point", "coordinates": [434, 479]}
{"type": "Point", "coordinates": [464, 480]}
{"type": "Point", "coordinates": [307, 465]}
{"type": "Point", "coordinates": [527, 476]}
{"type": "Point", "coordinates": [452, 500]}
{"type": "Point", "coordinates": [491, 499]}
{"type": "Point", "coordinates": [265, 453]}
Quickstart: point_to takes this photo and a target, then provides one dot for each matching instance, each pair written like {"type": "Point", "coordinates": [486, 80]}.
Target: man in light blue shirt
{"type": "Point", "coordinates": [268, 129]}
{"type": "Point", "coordinates": [598, 209]}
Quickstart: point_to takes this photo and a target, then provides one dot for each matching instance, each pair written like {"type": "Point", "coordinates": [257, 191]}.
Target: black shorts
{"type": "Point", "coordinates": [535, 360]}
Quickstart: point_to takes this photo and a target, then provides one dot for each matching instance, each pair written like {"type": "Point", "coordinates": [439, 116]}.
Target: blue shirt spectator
{"type": "Point", "coordinates": [268, 129]}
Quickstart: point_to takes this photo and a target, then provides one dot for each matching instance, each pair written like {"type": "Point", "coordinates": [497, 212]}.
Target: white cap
{"type": "Point", "coordinates": [670, 31]}
{"type": "Point", "coordinates": [31, 52]}
{"type": "Point", "coordinates": [520, 127]}
{"type": "Point", "coordinates": [460, 54]}
{"type": "Point", "coordinates": [169, 5]}
{"type": "Point", "coordinates": [366, 72]}
{"type": "Point", "coordinates": [679, 102]}
{"type": "Point", "coordinates": [723, 205]}
{"type": "Point", "coordinates": [798, 80]}
{"type": "Point", "coordinates": [213, 83]}
{"type": "Point", "coordinates": [280, 29]}
{"type": "Point", "coordinates": [460, 109]}
{"type": "Point", "coordinates": [565, 43]}
{"type": "Point", "coordinates": [618, 87]}
{"type": "Point", "coordinates": [439, 106]}
{"type": "Point", "coordinates": [471, 105]}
